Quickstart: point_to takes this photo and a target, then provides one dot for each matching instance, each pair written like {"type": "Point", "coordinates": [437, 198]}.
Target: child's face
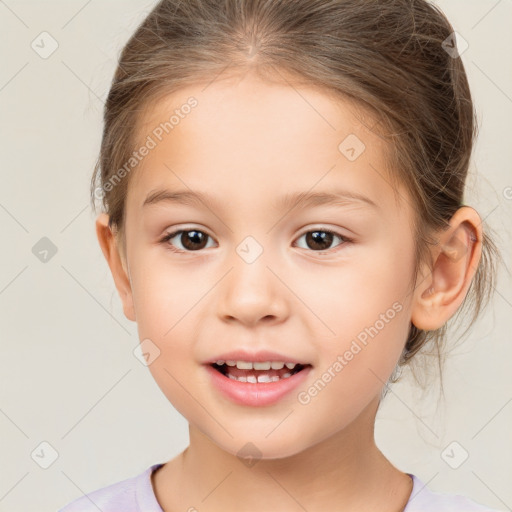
{"type": "Point", "coordinates": [248, 145]}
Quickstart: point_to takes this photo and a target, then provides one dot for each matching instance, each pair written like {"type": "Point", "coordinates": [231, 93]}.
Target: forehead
{"type": "Point", "coordinates": [245, 133]}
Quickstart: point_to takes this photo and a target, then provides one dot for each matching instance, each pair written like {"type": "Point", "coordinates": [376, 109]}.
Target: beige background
{"type": "Point", "coordinates": [69, 376]}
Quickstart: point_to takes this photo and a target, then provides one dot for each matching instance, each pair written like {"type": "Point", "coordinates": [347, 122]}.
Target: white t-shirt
{"type": "Point", "coordinates": [136, 494]}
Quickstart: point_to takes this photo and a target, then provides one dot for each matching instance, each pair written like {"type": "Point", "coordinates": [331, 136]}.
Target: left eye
{"type": "Point", "coordinates": [321, 239]}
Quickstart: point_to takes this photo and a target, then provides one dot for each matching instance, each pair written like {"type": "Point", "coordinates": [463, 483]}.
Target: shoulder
{"type": "Point", "coordinates": [130, 495]}
{"type": "Point", "coordinates": [424, 500]}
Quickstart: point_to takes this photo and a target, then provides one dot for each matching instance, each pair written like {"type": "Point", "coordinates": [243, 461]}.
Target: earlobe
{"type": "Point", "coordinates": [110, 249]}
{"type": "Point", "coordinates": [441, 289]}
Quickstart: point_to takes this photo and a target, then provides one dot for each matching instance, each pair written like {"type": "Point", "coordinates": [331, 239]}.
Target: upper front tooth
{"type": "Point", "coordinates": [261, 366]}
{"type": "Point", "coordinates": [244, 365]}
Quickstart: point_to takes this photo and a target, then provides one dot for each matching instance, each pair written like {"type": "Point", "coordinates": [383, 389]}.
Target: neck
{"type": "Point", "coordinates": [346, 468]}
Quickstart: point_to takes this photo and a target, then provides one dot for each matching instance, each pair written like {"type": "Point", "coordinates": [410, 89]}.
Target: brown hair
{"type": "Point", "coordinates": [386, 55]}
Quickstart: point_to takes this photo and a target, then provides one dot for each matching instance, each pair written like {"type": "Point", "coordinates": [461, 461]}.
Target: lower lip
{"type": "Point", "coordinates": [256, 394]}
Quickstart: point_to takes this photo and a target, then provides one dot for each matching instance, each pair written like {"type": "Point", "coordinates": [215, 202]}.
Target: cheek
{"type": "Point", "coordinates": [164, 293]}
{"type": "Point", "coordinates": [360, 292]}
{"type": "Point", "coordinates": [366, 307]}
{"type": "Point", "coordinates": [166, 308]}
{"type": "Point", "coordinates": [354, 367]}
{"type": "Point", "coordinates": [167, 304]}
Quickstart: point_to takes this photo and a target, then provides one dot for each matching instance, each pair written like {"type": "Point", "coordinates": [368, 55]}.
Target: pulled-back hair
{"type": "Point", "coordinates": [388, 56]}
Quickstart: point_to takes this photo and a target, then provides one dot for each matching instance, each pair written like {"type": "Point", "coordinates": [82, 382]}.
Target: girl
{"type": "Point", "coordinates": [282, 184]}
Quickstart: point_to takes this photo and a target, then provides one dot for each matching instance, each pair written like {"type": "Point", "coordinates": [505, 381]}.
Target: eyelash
{"type": "Point", "coordinates": [344, 240]}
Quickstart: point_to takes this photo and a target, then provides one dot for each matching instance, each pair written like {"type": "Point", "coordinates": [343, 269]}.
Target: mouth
{"type": "Point", "coordinates": [259, 383]}
{"type": "Point", "coordinates": [258, 372]}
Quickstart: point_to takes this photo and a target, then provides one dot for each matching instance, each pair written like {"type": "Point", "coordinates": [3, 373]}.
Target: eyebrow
{"type": "Point", "coordinates": [286, 202]}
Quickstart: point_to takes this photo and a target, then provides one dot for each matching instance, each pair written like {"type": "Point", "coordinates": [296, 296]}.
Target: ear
{"type": "Point", "coordinates": [440, 291]}
{"type": "Point", "coordinates": [115, 260]}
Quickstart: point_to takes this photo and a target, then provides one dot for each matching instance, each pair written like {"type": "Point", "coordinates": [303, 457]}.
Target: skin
{"type": "Point", "coordinates": [252, 141]}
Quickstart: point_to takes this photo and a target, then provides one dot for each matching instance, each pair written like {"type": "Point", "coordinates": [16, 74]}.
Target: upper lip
{"type": "Point", "coordinates": [260, 356]}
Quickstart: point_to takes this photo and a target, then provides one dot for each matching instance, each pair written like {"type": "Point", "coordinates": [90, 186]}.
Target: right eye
{"type": "Point", "coordinates": [191, 240]}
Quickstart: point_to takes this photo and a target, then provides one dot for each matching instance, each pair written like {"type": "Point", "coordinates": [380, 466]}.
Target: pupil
{"type": "Point", "coordinates": [319, 237]}
{"type": "Point", "coordinates": [190, 239]}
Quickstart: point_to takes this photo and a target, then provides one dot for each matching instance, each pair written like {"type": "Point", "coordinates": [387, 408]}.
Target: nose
{"type": "Point", "coordinates": [251, 294]}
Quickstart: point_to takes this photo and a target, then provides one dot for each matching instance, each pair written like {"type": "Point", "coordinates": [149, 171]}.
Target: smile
{"type": "Point", "coordinates": [256, 383]}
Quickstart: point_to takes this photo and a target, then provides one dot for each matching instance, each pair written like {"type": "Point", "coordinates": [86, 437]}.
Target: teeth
{"type": "Point", "coordinates": [264, 365]}
{"type": "Point", "coordinates": [261, 378]}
